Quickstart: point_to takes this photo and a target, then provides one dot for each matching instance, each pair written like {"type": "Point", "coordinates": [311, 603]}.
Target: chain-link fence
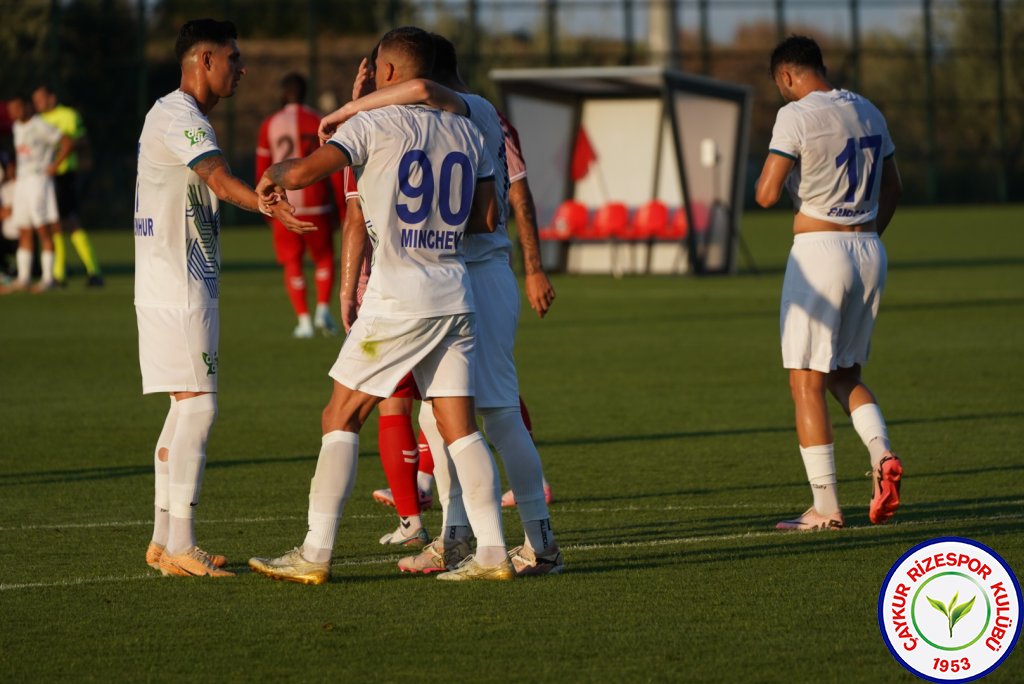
{"type": "Point", "coordinates": [948, 74]}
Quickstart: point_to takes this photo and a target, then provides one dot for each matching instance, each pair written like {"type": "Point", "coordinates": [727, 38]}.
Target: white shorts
{"type": "Point", "coordinates": [178, 349]}
{"type": "Point", "coordinates": [830, 298]}
{"type": "Point", "coordinates": [379, 352]}
{"type": "Point", "coordinates": [496, 294]}
{"type": "Point", "coordinates": [35, 202]}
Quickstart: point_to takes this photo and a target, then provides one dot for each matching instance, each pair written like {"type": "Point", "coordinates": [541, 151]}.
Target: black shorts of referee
{"type": "Point", "coordinates": [66, 188]}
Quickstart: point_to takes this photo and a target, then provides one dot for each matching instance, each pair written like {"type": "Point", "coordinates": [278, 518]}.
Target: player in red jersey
{"type": "Point", "coordinates": [288, 133]}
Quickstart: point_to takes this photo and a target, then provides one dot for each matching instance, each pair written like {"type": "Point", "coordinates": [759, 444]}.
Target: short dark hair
{"type": "Point", "coordinates": [413, 42]}
{"type": "Point", "coordinates": [293, 86]}
{"type": "Point", "coordinates": [798, 51]}
{"type": "Point", "coordinates": [446, 62]}
{"type": "Point", "coordinates": [203, 31]}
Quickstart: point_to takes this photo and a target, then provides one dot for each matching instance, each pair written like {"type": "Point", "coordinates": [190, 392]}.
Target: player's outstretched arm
{"type": "Point", "coordinates": [769, 186]}
{"type": "Point", "coordinates": [293, 174]}
{"type": "Point", "coordinates": [539, 291]}
{"type": "Point", "coordinates": [353, 251]}
{"type": "Point", "coordinates": [415, 91]}
{"type": "Point", "coordinates": [483, 217]}
{"type": "Point", "coordinates": [889, 194]}
{"type": "Point", "coordinates": [215, 173]}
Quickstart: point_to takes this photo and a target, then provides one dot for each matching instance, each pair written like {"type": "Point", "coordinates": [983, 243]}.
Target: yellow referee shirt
{"type": "Point", "coordinates": [69, 122]}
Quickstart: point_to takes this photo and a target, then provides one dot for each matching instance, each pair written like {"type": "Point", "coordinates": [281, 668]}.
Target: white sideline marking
{"type": "Point", "coordinates": [572, 547]}
{"type": "Point", "coordinates": [243, 521]}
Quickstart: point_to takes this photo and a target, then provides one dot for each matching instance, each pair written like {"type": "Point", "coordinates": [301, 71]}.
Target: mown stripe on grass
{"type": "Point", "coordinates": [707, 539]}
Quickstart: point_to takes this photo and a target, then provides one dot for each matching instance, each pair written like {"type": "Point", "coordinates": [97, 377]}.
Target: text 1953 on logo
{"type": "Point", "coordinates": [949, 610]}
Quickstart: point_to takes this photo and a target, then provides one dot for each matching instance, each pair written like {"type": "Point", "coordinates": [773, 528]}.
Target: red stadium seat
{"type": "Point", "coordinates": [570, 221]}
{"type": "Point", "coordinates": [651, 220]}
{"type": "Point", "coordinates": [677, 227]}
{"type": "Point", "coordinates": [611, 220]}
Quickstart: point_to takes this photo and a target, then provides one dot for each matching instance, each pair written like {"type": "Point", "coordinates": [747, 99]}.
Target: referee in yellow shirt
{"type": "Point", "coordinates": [68, 122]}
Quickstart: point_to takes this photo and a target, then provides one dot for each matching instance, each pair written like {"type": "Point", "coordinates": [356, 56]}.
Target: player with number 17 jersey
{"type": "Point", "coordinates": [838, 140]}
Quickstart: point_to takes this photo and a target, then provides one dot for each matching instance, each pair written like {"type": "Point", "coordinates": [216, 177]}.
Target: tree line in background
{"type": "Point", "coordinates": [953, 92]}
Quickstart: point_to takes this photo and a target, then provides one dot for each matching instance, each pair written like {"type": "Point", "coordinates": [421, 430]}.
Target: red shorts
{"type": "Point", "coordinates": [407, 389]}
{"type": "Point", "coordinates": [289, 246]}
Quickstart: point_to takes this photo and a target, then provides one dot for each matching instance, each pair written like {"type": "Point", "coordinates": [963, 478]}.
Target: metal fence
{"type": "Point", "coordinates": [948, 74]}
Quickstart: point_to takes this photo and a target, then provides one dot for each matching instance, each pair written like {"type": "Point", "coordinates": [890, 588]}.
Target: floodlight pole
{"type": "Point", "coordinates": [663, 33]}
{"type": "Point", "coordinates": [780, 19]}
{"type": "Point", "coordinates": [1001, 184]}
{"type": "Point", "coordinates": [311, 30]}
{"type": "Point", "coordinates": [929, 94]}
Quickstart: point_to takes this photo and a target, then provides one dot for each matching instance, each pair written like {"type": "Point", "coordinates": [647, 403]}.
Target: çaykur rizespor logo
{"type": "Point", "coordinates": [949, 609]}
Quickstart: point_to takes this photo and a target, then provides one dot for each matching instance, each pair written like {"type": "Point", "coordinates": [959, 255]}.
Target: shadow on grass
{"type": "Point", "coordinates": [732, 432]}
{"type": "Point", "coordinates": [115, 472]}
{"type": "Point", "coordinates": [791, 545]}
{"type": "Point", "coordinates": [104, 473]}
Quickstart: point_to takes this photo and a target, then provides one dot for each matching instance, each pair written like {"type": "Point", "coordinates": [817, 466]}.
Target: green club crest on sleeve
{"type": "Point", "coordinates": [195, 136]}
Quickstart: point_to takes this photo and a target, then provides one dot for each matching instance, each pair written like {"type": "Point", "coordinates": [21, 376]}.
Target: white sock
{"type": "Point", "coordinates": [322, 308]}
{"type": "Point", "coordinates": [161, 470]}
{"type": "Point", "coordinates": [186, 463]}
{"type": "Point", "coordinates": [449, 489]}
{"type": "Point", "coordinates": [332, 483]}
{"type": "Point", "coordinates": [23, 257]}
{"type": "Point", "coordinates": [410, 523]}
{"type": "Point", "coordinates": [481, 494]}
{"type": "Point", "coordinates": [46, 261]}
{"type": "Point", "coordinates": [869, 424]}
{"type": "Point", "coordinates": [819, 462]}
{"type": "Point", "coordinates": [424, 481]}
{"type": "Point", "coordinates": [505, 429]}
{"type": "Point", "coordinates": [305, 321]}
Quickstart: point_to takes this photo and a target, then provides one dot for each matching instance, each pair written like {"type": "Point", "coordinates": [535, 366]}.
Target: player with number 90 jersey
{"type": "Point", "coordinates": [838, 140]}
{"type": "Point", "coordinates": [417, 169]}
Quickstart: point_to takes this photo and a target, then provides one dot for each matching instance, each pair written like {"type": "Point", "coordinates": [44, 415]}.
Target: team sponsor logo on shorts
{"type": "Point", "coordinates": [211, 363]}
{"type": "Point", "coordinates": [949, 610]}
{"type": "Point", "coordinates": [195, 136]}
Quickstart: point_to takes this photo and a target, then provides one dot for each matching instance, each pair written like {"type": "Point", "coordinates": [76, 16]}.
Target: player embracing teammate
{"type": "Point", "coordinates": [831, 148]}
{"type": "Point", "coordinates": [497, 296]}
{"type": "Point", "coordinates": [426, 180]}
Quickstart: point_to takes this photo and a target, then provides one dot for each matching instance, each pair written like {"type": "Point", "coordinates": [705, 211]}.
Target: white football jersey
{"type": "Point", "coordinates": [417, 168]}
{"type": "Point", "coordinates": [35, 143]}
{"type": "Point", "coordinates": [177, 218]}
{"type": "Point", "coordinates": [496, 245]}
{"type": "Point", "coordinates": [838, 140]}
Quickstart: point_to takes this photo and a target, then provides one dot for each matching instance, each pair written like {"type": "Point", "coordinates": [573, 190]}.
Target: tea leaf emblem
{"type": "Point", "coordinates": [954, 613]}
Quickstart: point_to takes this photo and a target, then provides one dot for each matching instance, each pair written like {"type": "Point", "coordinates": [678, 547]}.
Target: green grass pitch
{"type": "Point", "coordinates": [665, 425]}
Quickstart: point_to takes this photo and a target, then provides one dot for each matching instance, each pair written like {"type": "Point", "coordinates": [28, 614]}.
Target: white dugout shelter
{"type": "Point", "coordinates": [633, 169]}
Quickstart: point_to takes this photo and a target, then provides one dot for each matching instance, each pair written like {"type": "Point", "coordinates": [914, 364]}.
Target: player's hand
{"type": "Point", "coordinates": [285, 213]}
{"type": "Point", "coordinates": [51, 170]}
{"type": "Point", "coordinates": [329, 124]}
{"type": "Point", "coordinates": [268, 191]}
{"type": "Point", "coordinates": [349, 310]}
{"type": "Point", "coordinates": [364, 83]}
{"type": "Point", "coordinates": [539, 292]}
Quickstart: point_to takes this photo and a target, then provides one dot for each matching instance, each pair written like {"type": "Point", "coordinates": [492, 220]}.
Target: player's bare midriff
{"type": "Point", "coordinates": [802, 223]}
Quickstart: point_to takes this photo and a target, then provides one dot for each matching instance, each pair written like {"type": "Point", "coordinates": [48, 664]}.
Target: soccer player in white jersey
{"type": "Point", "coordinates": [831, 148]}
{"type": "Point", "coordinates": [40, 149]}
{"type": "Point", "coordinates": [497, 296]}
{"type": "Point", "coordinates": [424, 177]}
{"type": "Point", "coordinates": [182, 176]}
